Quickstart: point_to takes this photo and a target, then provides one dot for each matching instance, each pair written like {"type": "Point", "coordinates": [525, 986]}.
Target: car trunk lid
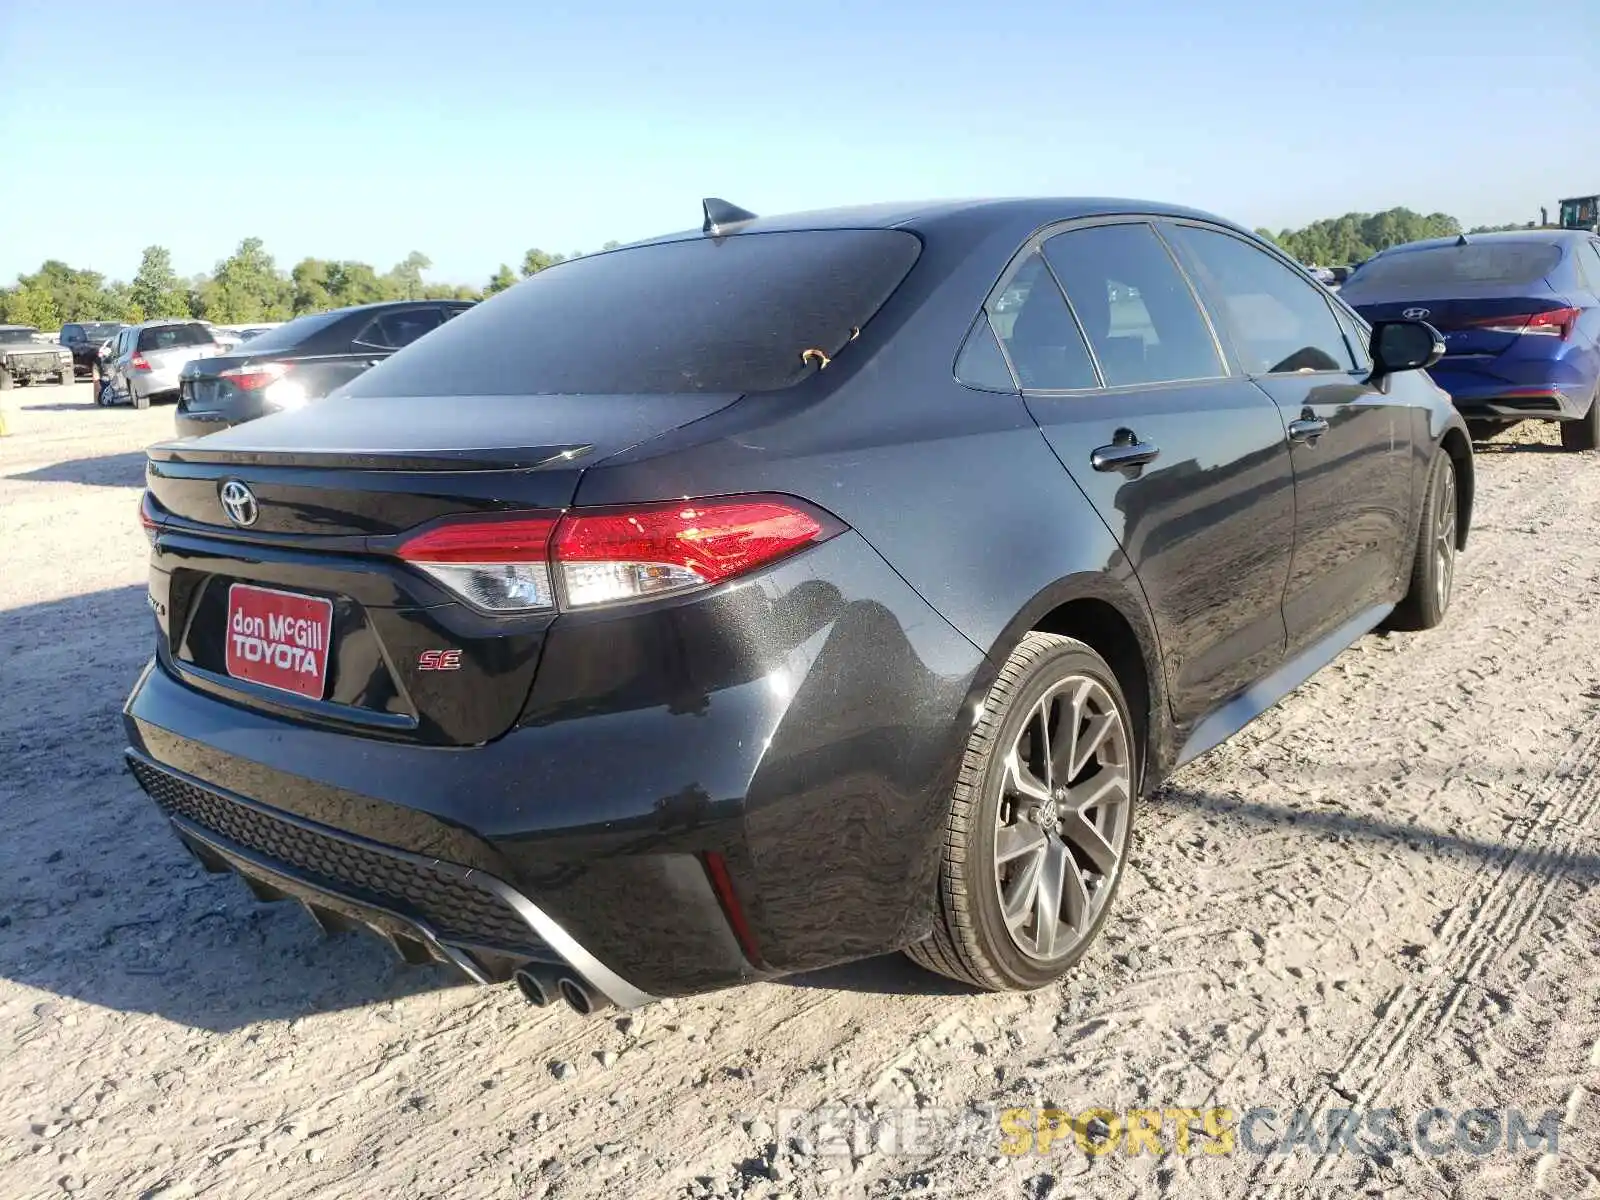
{"type": "Point", "coordinates": [383, 647]}
{"type": "Point", "coordinates": [1481, 325]}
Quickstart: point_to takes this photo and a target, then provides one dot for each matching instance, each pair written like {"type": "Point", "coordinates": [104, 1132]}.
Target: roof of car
{"type": "Point", "coordinates": [1538, 237]}
{"type": "Point", "coordinates": [382, 304]}
{"type": "Point", "coordinates": [157, 322]}
{"type": "Point", "coordinates": [1023, 213]}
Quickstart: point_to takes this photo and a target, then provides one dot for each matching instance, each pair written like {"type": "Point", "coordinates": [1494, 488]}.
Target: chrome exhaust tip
{"type": "Point", "coordinates": [535, 990]}
{"type": "Point", "coordinates": [580, 997]}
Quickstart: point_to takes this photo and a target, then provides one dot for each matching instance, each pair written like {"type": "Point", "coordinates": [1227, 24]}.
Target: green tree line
{"type": "Point", "coordinates": [245, 287]}
{"type": "Point", "coordinates": [1356, 237]}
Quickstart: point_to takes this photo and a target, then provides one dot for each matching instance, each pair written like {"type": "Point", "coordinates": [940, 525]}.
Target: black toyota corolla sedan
{"type": "Point", "coordinates": [784, 592]}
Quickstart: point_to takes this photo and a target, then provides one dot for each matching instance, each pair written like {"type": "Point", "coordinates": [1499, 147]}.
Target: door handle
{"type": "Point", "coordinates": [1126, 453]}
{"type": "Point", "coordinates": [1307, 429]}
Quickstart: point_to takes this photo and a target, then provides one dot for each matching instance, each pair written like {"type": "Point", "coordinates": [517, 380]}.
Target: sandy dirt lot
{"type": "Point", "coordinates": [1382, 895]}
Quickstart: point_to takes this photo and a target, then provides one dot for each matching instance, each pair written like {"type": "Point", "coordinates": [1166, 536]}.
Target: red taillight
{"type": "Point", "coordinates": [500, 563]}
{"type": "Point", "coordinates": [147, 516]}
{"type": "Point", "coordinates": [606, 556]}
{"type": "Point", "coordinates": [255, 376]}
{"type": "Point", "coordinates": [1557, 322]}
{"type": "Point", "coordinates": [139, 362]}
{"type": "Point", "coordinates": [510, 562]}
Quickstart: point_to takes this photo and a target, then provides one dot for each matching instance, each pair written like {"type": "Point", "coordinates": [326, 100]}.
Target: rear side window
{"type": "Point", "coordinates": [1136, 308]}
{"type": "Point", "coordinates": [1280, 322]}
{"type": "Point", "coordinates": [1476, 262]}
{"type": "Point", "coordinates": [396, 329]}
{"type": "Point", "coordinates": [1041, 338]}
{"type": "Point", "coordinates": [72, 333]}
{"type": "Point", "coordinates": [980, 363]}
{"type": "Point", "coordinates": [730, 314]}
{"type": "Point", "coordinates": [166, 337]}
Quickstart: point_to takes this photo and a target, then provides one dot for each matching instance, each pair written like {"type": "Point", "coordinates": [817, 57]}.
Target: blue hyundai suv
{"type": "Point", "coordinates": [1520, 314]}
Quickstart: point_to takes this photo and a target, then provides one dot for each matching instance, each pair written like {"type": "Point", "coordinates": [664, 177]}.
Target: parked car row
{"type": "Point", "coordinates": [216, 381]}
{"type": "Point", "coordinates": [781, 592]}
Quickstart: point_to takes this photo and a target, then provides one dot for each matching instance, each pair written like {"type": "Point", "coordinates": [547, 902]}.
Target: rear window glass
{"type": "Point", "coordinates": [291, 333]}
{"type": "Point", "coordinates": [165, 337]}
{"type": "Point", "coordinates": [734, 314]}
{"type": "Point", "coordinates": [1481, 262]}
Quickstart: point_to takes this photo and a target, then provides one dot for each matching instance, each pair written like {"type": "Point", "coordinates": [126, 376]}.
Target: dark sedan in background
{"type": "Point", "coordinates": [300, 361]}
{"type": "Point", "coordinates": [786, 591]}
{"type": "Point", "coordinates": [1520, 313]}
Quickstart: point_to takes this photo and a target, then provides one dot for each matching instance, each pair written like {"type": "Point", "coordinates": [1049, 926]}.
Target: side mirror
{"type": "Point", "coordinates": [1404, 346]}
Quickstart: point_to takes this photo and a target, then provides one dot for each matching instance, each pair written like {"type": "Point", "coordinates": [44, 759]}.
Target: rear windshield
{"type": "Point", "coordinates": [290, 334]}
{"type": "Point", "coordinates": [165, 337]}
{"type": "Point", "coordinates": [1483, 262]}
{"type": "Point", "coordinates": [101, 331]}
{"type": "Point", "coordinates": [734, 314]}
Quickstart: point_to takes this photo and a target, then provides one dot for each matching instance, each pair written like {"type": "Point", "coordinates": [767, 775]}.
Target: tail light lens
{"type": "Point", "coordinates": [520, 562]}
{"type": "Point", "coordinates": [139, 362]}
{"type": "Point", "coordinates": [147, 516]}
{"type": "Point", "coordinates": [1557, 322]}
{"type": "Point", "coordinates": [501, 564]}
{"type": "Point", "coordinates": [255, 376]}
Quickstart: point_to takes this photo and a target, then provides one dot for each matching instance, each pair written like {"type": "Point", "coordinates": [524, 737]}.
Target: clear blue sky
{"type": "Point", "coordinates": [473, 129]}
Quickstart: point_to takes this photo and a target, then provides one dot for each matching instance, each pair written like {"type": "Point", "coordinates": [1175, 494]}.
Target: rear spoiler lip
{"type": "Point", "coordinates": [488, 458]}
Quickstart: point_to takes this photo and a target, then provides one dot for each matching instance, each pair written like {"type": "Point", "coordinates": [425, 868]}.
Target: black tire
{"type": "Point", "coordinates": [1584, 433]}
{"type": "Point", "coordinates": [140, 399]}
{"type": "Point", "coordinates": [970, 941]}
{"type": "Point", "coordinates": [66, 379]}
{"type": "Point", "coordinates": [1427, 601]}
{"type": "Point", "coordinates": [24, 380]}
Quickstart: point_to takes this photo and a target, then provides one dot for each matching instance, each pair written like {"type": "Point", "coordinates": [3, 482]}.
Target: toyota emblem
{"type": "Point", "coordinates": [1414, 314]}
{"type": "Point", "coordinates": [239, 502]}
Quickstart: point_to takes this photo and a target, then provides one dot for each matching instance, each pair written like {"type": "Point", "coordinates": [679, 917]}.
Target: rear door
{"type": "Point", "coordinates": [1185, 463]}
{"type": "Point", "coordinates": [1350, 441]}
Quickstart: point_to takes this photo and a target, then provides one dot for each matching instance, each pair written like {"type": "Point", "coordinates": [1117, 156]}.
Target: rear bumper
{"type": "Point", "coordinates": [427, 908]}
{"type": "Point", "coordinates": [1516, 389]}
{"type": "Point", "coordinates": [191, 424]}
{"type": "Point", "coordinates": [806, 736]}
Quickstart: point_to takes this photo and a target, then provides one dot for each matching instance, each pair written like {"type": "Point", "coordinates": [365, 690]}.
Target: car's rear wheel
{"type": "Point", "coordinates": [139, 399]}
{"type": "Point", "coordinates": [1584, 433]}
{"type": "Point", "coordinates": [1433, 570]}
{"type": "Point", "coordinates": [1040, 823]}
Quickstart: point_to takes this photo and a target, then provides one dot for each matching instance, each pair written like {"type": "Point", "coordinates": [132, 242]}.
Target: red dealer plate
{"type": "Point", "coordinates": [279, 639]}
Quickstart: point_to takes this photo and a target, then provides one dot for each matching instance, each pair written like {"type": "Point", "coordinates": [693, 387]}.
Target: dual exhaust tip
{"type": "Point", "coordinates": [543, 988]}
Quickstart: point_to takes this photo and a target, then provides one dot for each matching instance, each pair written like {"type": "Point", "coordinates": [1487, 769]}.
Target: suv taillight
{"type": "Point", "coordinates": [139, 362]}
{"type": "Point", "coordinates": [525, 562]}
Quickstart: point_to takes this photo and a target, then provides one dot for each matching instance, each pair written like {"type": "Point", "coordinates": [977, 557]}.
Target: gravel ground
{"type": "Point", "coordinates": [1381, 895]}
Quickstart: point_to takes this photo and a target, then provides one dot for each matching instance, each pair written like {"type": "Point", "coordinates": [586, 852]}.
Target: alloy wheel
{"type": "Point", "coordinates": [1444, 537]}
{"type": "Point", "coordinates": [1062, 824]}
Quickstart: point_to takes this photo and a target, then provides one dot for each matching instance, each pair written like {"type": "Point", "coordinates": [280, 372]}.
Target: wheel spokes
{"type": "Point", "coordinates": [1053, 870]}
{"type": "Point", "coordinates": [1063, 817]}
{"type": "Point", "coordinates": [1016, 840]}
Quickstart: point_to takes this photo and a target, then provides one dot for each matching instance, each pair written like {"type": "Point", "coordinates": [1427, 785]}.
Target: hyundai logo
{"type": "Point", "coordinates": [1414, 314]}
{"type": "Point", "coordinates": [239, 502]}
